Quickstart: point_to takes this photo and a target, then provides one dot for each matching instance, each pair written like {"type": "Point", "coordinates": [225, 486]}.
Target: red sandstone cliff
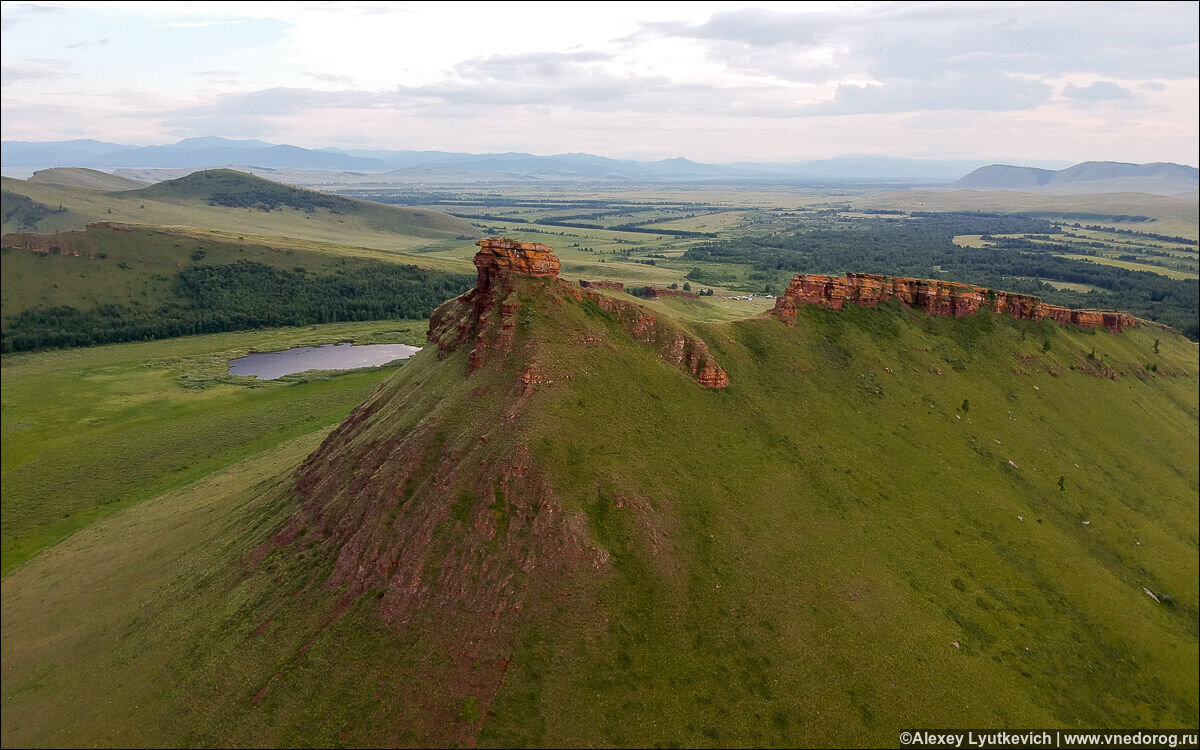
{"type": "Point", "coordinates": [934, 297]}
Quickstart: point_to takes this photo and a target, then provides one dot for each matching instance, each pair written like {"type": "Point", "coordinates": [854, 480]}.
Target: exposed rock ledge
{"type": "Point", "coordinates": [934, 297]}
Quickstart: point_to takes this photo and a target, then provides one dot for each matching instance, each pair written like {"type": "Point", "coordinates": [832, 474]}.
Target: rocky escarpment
{"type": "Point", "coordinates": [77, 243]}
{"type": "Point", "coordinates": [616, 286]}
{"type": "Point", "coordinates": [657, 292]}
{"type": "Point", "coordinates": [934, 297]}
{"type": "Point", "coordinates": [488, 314]}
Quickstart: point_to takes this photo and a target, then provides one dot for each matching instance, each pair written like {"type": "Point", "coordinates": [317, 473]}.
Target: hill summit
{"type": "Point", "coordinates": [1162, 178]}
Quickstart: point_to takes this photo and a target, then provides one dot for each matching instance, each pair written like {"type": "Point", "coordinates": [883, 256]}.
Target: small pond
{"type": "Point", "coordinates": [273, 365]}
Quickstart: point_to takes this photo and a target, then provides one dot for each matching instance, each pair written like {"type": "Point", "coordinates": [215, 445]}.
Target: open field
{"type": "Point", "coordinates": [1081, 288]}
{"type": "Point", "coordinates": [1172, 216]}
{"type": "Point", "coordinates": [89, 431]}
{"type": "Point", "coordinates": [1170, 273]}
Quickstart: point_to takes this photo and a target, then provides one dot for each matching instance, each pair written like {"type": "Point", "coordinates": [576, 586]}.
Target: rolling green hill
{"type": "Point", "coordinates": [228, 187]}
{"type": "Point", "coordinates": [238, 202]}
{"type": "Point", "coordinates": [122, 282]}
{"type": "Point", "coordinates": [103, 265]}
{"type": "Point", "coordinates": [544, 531]}
{"type": "Point", "coordinates": [92, 179]}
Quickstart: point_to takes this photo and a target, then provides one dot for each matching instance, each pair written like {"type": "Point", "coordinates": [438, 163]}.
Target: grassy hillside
{"type": "Point", "coordinates": [92, 179]}
{"type": "Point", "coordinates": [885, 521]}
{"type": "Point", "coordinates": [129, 267]}
{"type": "Point", "coordinates": [210, 199]}
{"type": "Point", "coordinates": [90, 431]}
{"type": "Point", "coordinates": [102, 266]}
{"type": "Point", "coordinates": [1160, 178]}
{"type": "Point", "coordinates": [119, 282]}
{"type": "Point", "coordinates": [21, 213]}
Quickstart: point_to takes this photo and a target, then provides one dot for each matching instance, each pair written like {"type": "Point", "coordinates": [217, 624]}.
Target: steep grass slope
{"type": "Point", "coordinates": [883, 520]}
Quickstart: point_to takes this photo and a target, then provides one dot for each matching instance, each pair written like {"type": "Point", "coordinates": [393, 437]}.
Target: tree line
{"type": "Point", "coordinates": [238, 296]}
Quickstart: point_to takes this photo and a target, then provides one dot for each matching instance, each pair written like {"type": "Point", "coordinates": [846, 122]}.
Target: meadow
{"type": "Point", "coordinates": [90, 431]}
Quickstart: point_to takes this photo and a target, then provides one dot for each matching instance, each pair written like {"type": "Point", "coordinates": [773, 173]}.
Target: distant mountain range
{"type": "Point", "coordinates": [331, 166]}
{"type": "Point", "coordinates": [421, 166]}
{"type": "Point", "coordinates": [1160, 178]}
{"type": "Point", "coordinates": [196, 153]}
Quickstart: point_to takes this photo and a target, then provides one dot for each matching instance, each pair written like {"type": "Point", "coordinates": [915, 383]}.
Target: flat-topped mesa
{"type": "Point", "coordinates": [935, 297]}
{"type": "Point", "coordinates": [498, 256]}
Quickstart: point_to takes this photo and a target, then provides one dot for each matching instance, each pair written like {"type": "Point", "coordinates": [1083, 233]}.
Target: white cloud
{"type": "Point", "coordinates": [994, 92]}
{"type": "Point", "coordinates": [43, 69]}
{"type": "Point", "coordinates": [724, 79]}
{"type": "Point", "coordinates": [196, 24]}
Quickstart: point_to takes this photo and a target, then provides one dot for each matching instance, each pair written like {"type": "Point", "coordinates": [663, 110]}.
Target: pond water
{"type": "Point", "coordinates": [273, 365]}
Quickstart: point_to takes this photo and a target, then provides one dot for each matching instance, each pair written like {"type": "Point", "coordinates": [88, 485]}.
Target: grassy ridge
{"type": "Point", "coordinates": [92, 179]}
{"type": "Point", "coordinates": [133, 268]}
{"type": "Point", "coordinates": [193, 205]}
{"type": "Point", "coordinates": [120, 283]}
{"type": "Point", "coordinates": [827, 551]}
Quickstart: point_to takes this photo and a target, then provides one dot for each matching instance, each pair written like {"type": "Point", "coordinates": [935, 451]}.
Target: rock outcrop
{"type": "Point", "coordinates": [489, 312]}
{"type": "Point", "coordinates": [74, 243]}
{"type": "Point", "coordinates": [498, 256]}
{"type": "Point", "coordinates": [616, 286]}
{"type": "Point", "coordinates": [656, 292]}
{"type": "Point", "coordinates": [934, 297]}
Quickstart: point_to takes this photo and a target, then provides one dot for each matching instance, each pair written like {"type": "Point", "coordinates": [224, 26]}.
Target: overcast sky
{"type": "Point", "coordinates": [716, 82]}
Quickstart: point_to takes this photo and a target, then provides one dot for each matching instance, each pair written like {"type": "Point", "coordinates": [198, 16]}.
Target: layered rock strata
{"type": "Point", "coordinates": [935, 297]}
{"type": "Point", "coordinates": [616, 286]}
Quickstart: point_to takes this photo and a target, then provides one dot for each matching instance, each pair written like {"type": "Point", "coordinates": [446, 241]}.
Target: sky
{"type": "Point", "coordinates": [713, 82]}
